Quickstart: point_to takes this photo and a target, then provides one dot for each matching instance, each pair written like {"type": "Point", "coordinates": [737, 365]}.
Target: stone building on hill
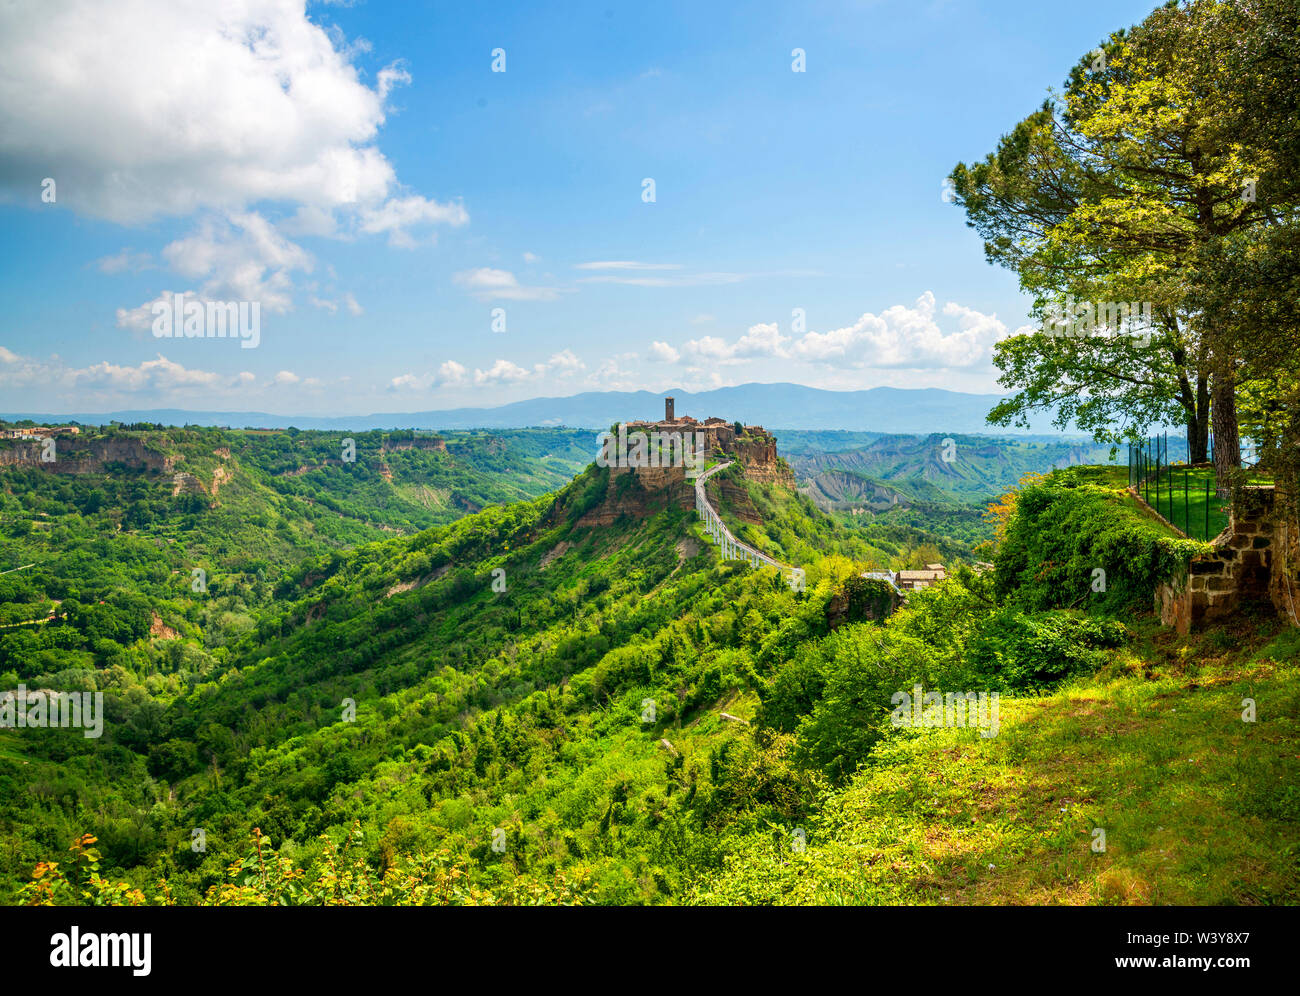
{"type": "Point", "coordinates": [916, 580]}
{"type": "Point", "coordinates": [719, 435]}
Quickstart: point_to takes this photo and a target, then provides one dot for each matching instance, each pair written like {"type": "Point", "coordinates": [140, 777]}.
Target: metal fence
{"type": "Point", "coordinates": [1185, 496]}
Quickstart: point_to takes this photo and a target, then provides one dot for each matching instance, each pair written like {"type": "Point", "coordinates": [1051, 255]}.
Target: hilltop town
{"type": "Point", "coordinates": [752, 446]}
{"type": "Point", "coordinates": [719, 435]}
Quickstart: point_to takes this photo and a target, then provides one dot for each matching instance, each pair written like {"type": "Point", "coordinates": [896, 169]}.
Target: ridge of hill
{"type": "Point", "coordinates": [953, 467]}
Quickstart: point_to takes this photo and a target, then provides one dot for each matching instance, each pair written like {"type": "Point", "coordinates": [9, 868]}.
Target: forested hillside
{"type": "Point", "coordinates": [105, 547]}
{"type": "Point", "coordinates": [523, 706]}
{"type": "Point", "coordinates": [593, 454]}
{"type": "Point", "coordinates": [840, 472]}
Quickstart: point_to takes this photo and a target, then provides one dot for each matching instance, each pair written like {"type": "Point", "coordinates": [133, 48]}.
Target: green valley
{"type": "Point", "coordinates": [571, 698]}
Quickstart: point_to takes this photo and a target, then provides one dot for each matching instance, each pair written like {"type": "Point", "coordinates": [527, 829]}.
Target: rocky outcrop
{"type": "Point", "coordinates": [757, 455]}
{"type": "Point", "coordinates": [435, 443]}
{"type": "Point", "coordinates": [731, 495]}
{"type": "Point", "coordinates": [640, 491]}
{"type": "Point", "coordinates": [188, 484]}
{"type": "Point", "coordinates": [647, 490]}
{"type": "Point", "coordinates": [84, 456]}
{"type": "Point", "coordinates": [836, 489]}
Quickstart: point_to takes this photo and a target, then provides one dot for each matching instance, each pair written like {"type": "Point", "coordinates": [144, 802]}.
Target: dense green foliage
{"type": "Point", "coordinates": [1073, 543]}
{"type": "Point", "coordinates": [566, 699]}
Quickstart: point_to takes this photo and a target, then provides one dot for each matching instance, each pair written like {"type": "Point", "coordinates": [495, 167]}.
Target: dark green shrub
{"type": "Point", "coordinates": [1063, 533]}
{"type": "Point", "coordinates": [1016, 651]}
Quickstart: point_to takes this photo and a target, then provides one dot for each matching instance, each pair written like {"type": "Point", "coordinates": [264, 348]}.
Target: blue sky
{"type": "Point", "coordinates": [363, 175]}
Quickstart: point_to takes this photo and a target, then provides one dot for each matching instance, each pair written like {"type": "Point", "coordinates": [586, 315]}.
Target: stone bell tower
{"type": "Point", "coordinates": [668, 409]}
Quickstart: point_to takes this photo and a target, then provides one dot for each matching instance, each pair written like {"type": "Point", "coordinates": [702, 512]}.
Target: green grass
{"type": "Point", "coordinates": [1104, 475]}
{"type": "Point", "coordinates": [1189, 511]}
{"type": "Point", "coordinates": [1190, 518]}
{"type": "Point", "coordinates": [1198, 806]}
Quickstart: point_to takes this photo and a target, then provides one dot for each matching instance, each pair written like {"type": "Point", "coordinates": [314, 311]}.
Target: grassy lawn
{"type": "Point", "coordinates": [1189, 515]}
{"type": "Point", "coordinates": [1186, 494]}
{"type": "Point", "coordinates": [1105, 475]}
{"type": "Point", "coordinates": [1189, 511]}
{"type": "Point", "coordinates": [1197, 805]}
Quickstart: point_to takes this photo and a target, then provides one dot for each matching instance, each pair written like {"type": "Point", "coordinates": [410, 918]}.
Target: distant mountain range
{"type": "Point", "coordinates": [776, 406]}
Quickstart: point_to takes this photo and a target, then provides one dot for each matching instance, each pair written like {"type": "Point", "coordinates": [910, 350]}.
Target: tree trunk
{"type": "Point", "coordinates": [1196, 443]}
{"type": "Point", "coordinates": [1227, 442]}
{"type": "Point", "coordinates": [1198, 428]}
{"type": "Point", "coordinates": [1195, 402]}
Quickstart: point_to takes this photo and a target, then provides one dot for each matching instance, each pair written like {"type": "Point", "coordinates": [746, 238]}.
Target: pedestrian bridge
{"type": "Point", "coordinates": [732, 548]}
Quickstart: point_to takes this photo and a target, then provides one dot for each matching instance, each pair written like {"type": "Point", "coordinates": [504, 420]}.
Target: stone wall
{"type": "Point", "coordinates": [1238, 570]}
{"type": "Point", "coordinates": [1284, 578]}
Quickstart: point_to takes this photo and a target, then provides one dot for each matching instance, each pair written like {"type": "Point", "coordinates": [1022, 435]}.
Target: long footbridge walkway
{"type": "Point", "coordinates": [732, 548]}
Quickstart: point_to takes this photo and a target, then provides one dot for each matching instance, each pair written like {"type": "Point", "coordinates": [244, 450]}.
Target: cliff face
{"type": "Point", "coordinates": [762, 465]}
{"type": "Point", "coordinates": [650, 490]}
{"type": "Point", "coordinates": [434, 443]}
{"type": "Point", "coordinates": [75, 456]}
{"type": "Point", "coordinates": [832, 487]}
{"type": "Point", "coordinates": [724, 493]}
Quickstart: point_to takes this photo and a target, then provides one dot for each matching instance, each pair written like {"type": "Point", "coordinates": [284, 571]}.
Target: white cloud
{"type": "Point", "coordinates": [52, 384]}
{"type": "Point", "coordinates": [162, 108]}
{"type": "Point", "coordinates": [172, 106]}
{"type": "Point", "coordinates": [391, 76]}
{"type": "Point", "coordinates": [626, 264]}
{"type": "Point", "coordinates": [563, 362]}
{"type": "Point", "coordinates": [158, 376]}
{"type": "Point", "coordinates": [241, 257]}
{"type": "Point", "coordinates": [664, 353]}
{"type": "Point", "coordinates": [449, 374]}
{"type": "Point", "coordinates": [764, 340]}
{"type": "Point", "coordinates": [347, 301]}
{"type": "Point", "coordinates": [920, 337]}
{"type": "Point", "coordinates": [396, 215]}
{"type": "Point", "coordinates": [906, 337]}
{"type": "Point", "coordinates": [121, 262]}
{"type": "Point", "coordinates": [612, 375]}
{"type": "Point", "coordinates": [559, 365]}
{"type": "Point", "coordinates": [487, 284]}
{"type": "Point", "coordinates": [502, 372]}
{"type": "Point", "coordinates": [631, 274]}
{"type": "Point", "coordinates": [311, 220]}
